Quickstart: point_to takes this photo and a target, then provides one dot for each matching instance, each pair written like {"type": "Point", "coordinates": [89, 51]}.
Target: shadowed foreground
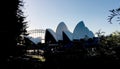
{"type": "Point", "coordinates": [61, 60]}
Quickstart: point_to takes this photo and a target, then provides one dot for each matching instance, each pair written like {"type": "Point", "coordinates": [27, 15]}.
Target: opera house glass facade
{"type": "Point", "coordinates": [63, 34]}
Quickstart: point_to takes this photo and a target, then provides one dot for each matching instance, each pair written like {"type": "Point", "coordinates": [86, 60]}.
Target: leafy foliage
{"type": "Point", "coordinates": [22, 25]}
{"type": "Point", "coordinates": [99, 33]}
{"type": "Point", "coordinates": [12, 26]}
{"type": "Point", "coordinates": [114, 13]}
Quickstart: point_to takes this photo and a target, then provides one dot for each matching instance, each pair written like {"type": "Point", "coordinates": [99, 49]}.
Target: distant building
{"type": "Point", "coordinates": [50, 36]}
{"type": "Point", "coordinates": [37, 35]}
{"type": "Point", "coordinates": [81, 32]}
{"type": "Point", "coordinates": [63, 34]}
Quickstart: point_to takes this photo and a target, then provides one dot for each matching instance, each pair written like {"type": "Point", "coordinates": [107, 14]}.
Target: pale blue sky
{"type": "Point", "coordinates": [42, 14]}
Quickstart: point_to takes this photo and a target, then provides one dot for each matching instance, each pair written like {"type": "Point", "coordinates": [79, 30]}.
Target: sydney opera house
{"type": "Point", "coordinates": [63, 34]}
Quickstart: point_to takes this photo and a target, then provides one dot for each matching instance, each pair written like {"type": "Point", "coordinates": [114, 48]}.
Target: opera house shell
{"type": "Point", "coordinates": [81, 31]}
{"type": "Point", "coordinates": [50, 36]}
{"type": "Point", "coordinates": [63, 34]}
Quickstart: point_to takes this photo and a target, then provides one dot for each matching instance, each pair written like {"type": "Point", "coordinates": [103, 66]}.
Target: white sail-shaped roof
{"type": "Point", "coordinates": [60, 28]}
{"type": "Point", "coordinates": [78, 31]}
{"type": "Point", "coordinates": [91, 34]}
{"type": "Point", "coordinates": [81, 31]}
{"type": "Point", "coordinates": [52, 33]}
{"type": "Point", "coordinates": [62, 32]}
{"type": "Point", "coordinates": [69, 35]}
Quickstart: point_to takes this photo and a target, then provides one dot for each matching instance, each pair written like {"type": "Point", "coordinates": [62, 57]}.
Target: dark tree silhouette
{"type": "Point", "coordinates": [12, 26]}
{"type": "Point", "coordinates": [114, 13]}
{"type": "Point", "coordinates": [99, 33]}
